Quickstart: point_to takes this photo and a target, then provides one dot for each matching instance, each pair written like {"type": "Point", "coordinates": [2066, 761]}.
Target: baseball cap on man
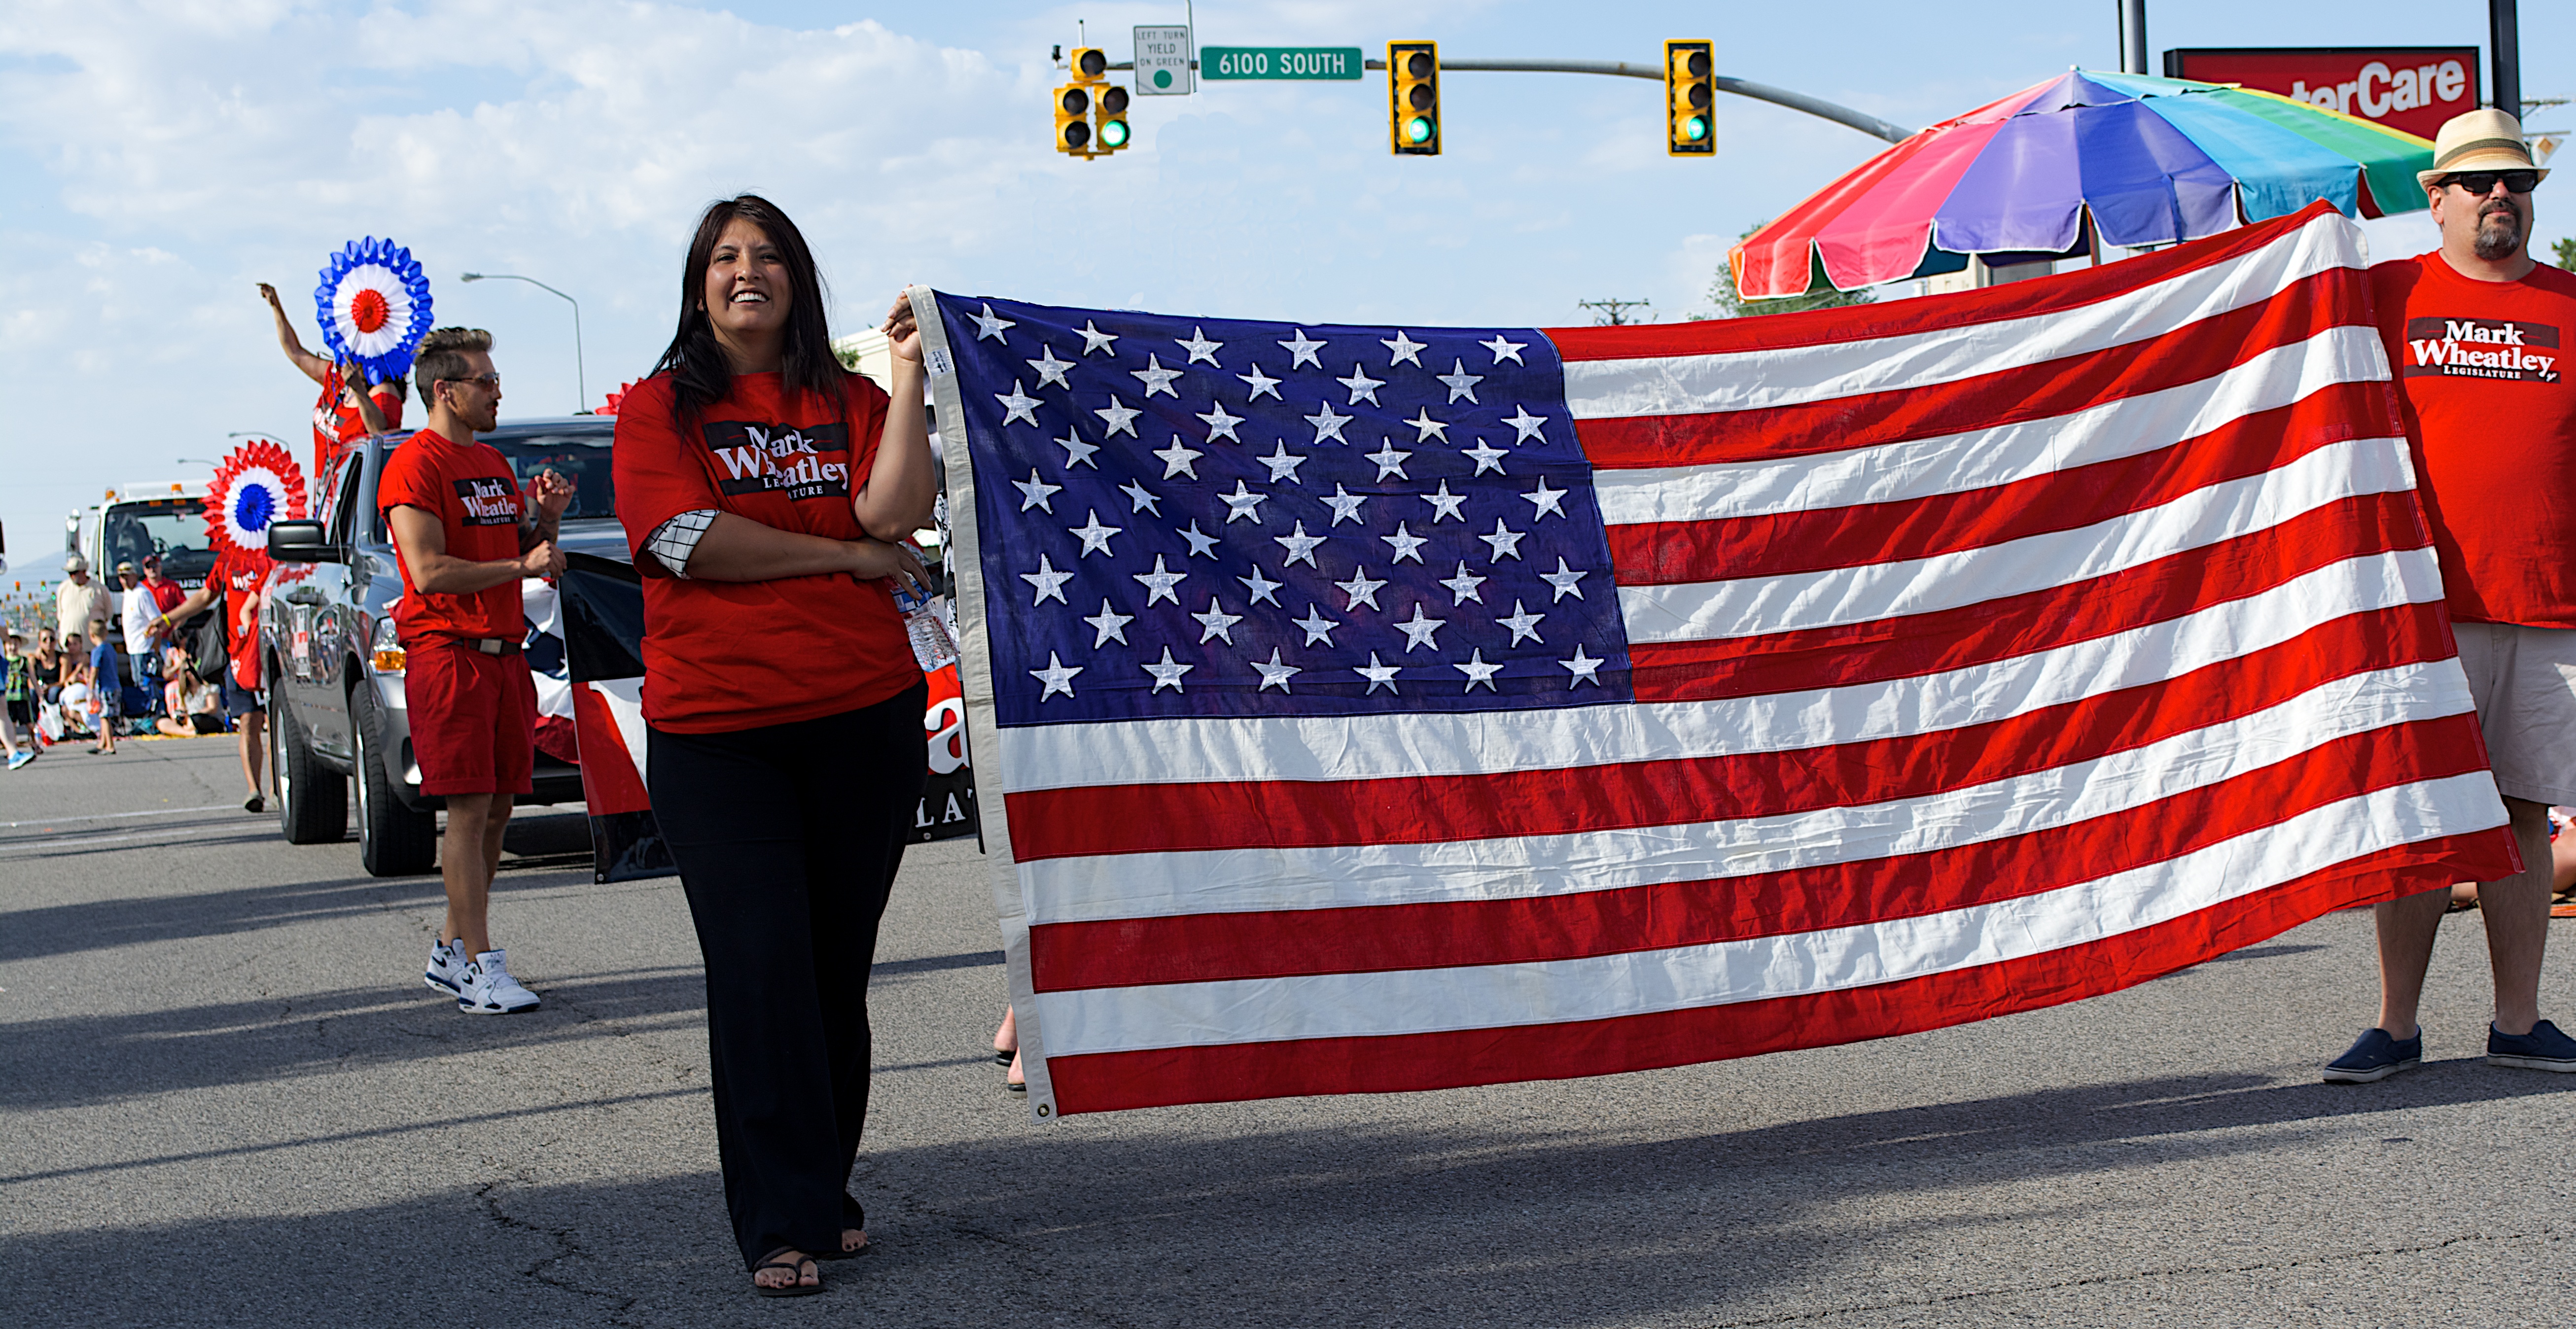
{"type": "Point", "coordinates": [76, 563]}
{"type": "Point", "coordinates": [124, 567]}
{"type": "Point", "coordinates": [2485, 139]}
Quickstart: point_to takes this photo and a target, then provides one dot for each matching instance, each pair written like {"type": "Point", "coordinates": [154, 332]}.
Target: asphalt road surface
{"type": "Point", "coordinates": [229, 1101]}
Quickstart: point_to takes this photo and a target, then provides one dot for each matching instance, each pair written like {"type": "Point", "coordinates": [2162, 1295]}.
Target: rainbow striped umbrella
{"type": "Point", "coordinates": [2148, 161]}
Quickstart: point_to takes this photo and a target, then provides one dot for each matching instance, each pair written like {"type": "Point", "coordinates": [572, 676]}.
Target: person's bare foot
{"type": "Point", "coordinates": [784, 1268]}
{"type": "Point", "coordinates": [853, 1240]}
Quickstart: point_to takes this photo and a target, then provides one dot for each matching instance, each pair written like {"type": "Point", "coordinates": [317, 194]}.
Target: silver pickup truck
{"type": "Point", "coordinates": [334, 668]}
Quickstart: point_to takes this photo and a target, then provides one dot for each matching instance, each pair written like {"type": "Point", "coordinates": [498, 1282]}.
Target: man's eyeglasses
{"type": "Point", "coordinates": [2482, 183]}
{"type": "Point", "coordinates": [492, 381]}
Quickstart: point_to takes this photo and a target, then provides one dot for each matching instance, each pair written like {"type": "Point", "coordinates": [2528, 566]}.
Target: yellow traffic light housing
{"type": "Point", "coordinates": [1413, 98]}
{"type": "Point", "coordinates": [1108, 119]}
{"type": "Point", "coordinates": [1076, 101]}
{"type": "Point", "coordinates": [1073, 120]}
{"type": "Point", "coordinates": [1690, 89]}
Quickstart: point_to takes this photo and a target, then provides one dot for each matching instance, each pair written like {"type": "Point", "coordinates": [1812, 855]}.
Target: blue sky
{"type": "Point", "coordinates": [157, 159]}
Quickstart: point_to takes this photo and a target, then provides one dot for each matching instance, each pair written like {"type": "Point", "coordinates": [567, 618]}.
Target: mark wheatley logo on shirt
{"type": "Point", "coordinates": [2481, 348]}
{"type": "Point", "coordinates": [488, 500]}
{"type": "Point", "coordinates": [781, 459]}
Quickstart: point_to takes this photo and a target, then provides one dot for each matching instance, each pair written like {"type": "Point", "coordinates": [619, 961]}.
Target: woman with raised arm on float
{"type": "Point", "coordinates": [766, 492]}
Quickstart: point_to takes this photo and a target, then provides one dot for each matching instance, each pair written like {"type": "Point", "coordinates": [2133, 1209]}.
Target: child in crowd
{"type": "Point", "coordinates": [18, 718]}
{"type": "Point", "coordinates": [106, 687]}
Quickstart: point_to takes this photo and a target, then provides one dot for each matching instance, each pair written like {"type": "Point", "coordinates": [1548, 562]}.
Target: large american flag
{"type": "Point", "coordinates": [1386, 708]}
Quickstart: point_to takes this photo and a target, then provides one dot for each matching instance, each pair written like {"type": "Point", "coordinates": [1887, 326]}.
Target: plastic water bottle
{"type": "Point", "coordinates": [932, 645]}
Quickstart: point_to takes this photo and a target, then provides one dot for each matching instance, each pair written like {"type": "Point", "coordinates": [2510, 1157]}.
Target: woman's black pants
{"type": "Point", "coordinates": [788, 838]}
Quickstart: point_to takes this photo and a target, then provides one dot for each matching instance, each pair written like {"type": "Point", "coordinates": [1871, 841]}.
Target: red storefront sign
{"type": "Point", "coordinates": [2413, 88]}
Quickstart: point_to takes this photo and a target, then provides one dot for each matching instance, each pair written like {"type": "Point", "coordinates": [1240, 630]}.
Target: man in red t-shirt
{"type": "Point", "coordinates": [465, 538]}
{"type": "Point", "coordinates": [2477, 335]}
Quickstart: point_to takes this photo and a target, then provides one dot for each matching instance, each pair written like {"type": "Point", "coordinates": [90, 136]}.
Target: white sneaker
{"type": "Point", "coordinates": [488, 989]}
{"type": "Point", "coordinates": [446, 971]}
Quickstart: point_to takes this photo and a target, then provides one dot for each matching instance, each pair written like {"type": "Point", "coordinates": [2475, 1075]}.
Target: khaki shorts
{"type": "Point", "coordinates": [2524, 683]}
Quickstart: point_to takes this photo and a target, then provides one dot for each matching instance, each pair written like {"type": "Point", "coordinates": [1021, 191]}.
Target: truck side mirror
{"type": "Point", "coordinates": [302, 542]}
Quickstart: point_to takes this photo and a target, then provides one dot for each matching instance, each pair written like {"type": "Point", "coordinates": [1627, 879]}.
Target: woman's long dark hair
{"type": "Point", "coordinates": [700, 377]}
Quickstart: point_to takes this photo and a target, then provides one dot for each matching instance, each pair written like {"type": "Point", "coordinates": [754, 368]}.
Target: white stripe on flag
{"type": "Point", "coordinates": [1755, 380]}
{"type": "Point", "coordinates": [1146, 885]}
{"type": "Point", "coordinates": [1187, 751]}
{"type": "Point", "coordinates": [1752, 606]}
{"type": "Point", "coordinates": [1375, 1004]}
{"type": "Point", "coordinates": [1979, 459]}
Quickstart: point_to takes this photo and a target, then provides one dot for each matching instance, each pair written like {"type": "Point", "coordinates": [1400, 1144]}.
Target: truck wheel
{"type": "Point", "coordinates": [393, 840]}
{"type": "Point", "coordinates": [312, 803]}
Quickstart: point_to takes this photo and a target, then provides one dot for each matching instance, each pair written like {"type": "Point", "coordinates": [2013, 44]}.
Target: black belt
{"type": "Point", "coordinates": [489, 645]}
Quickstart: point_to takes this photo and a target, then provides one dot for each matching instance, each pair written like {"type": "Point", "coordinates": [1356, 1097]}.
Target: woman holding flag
{"type": "Point", "coordinates": [761, 483]}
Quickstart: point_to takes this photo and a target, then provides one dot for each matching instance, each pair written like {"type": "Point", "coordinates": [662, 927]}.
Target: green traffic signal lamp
{"type": "Point", "coordinates": [1413, 98]}
{"type": "Point", "coordinates": [1109, 123]}
{"type": "Point", "coordinates": [1690, 89]}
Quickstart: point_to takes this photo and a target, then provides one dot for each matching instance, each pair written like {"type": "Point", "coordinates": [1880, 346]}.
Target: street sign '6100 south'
{"type": "Point", "coordinates": [1330, 62]}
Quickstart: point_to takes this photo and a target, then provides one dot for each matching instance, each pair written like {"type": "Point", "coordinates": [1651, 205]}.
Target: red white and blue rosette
{"type": "Point", "coordinates": [257, 483]}
{"type": "Point", "coordinates": [374, 306]}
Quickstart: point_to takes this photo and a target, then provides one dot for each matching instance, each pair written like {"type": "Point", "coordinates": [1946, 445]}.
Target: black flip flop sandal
{"type": "Point", "coordinates": [1003, 1059]}
{"type": "Point", "coordinates": [798, 1288]}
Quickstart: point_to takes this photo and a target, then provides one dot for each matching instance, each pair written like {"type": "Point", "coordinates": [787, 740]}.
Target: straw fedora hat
{"type": "Point", "coordinates": [2485, 139]}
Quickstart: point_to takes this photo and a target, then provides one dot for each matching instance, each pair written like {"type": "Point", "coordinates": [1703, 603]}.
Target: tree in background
{"type": "Point", "coordinates": [2566, 251]}
{"type": "Point", "coordinates": [1820, 292]}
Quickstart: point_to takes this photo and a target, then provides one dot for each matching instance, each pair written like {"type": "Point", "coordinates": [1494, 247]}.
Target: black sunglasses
{"type": "Point", "coordinates": [2484, 182]}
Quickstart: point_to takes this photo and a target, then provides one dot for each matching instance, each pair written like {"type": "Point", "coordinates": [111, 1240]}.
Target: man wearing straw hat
{"type": "Point", "coordinates": [2477, 335]}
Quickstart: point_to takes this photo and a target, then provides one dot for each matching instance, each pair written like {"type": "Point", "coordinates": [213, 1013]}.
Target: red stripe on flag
{"type": "Point", "coordinates": [608, 781]}
{"type": "Point", "coordinates": [1167, 818]}
{"type": "Point", "coordinates": [1789, 543]}
{"type": "Point", "coordinates": [1111, 1081]}
{"type": "Point", "coordinates": [1901, 318]}
{"type": "Point", "coordinates": [2040, 391]}
{"type": "Point", "coordinates": [1202, 948]}
{"type": "Point", "coordinates": [2001, 629]}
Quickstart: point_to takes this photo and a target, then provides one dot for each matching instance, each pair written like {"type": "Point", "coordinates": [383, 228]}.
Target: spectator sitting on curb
{"type": "Point", "coordinates": [191, 706]}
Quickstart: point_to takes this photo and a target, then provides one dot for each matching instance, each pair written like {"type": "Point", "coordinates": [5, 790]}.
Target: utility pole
{"type": "Point", "coordinates": [1613, 313]}
{"type": "Point", "coordinates": [2504, 45]}
{"type": "Point", "coordinates": [2133, 35]}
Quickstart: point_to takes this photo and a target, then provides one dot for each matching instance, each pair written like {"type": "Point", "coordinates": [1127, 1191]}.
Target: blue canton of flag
{"type": "Point", "coordinates": [1209, 517]}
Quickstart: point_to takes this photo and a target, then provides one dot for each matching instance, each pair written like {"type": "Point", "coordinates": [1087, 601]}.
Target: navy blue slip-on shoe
{"type": "Point", "coordinates": [2375, 1056]}
{"type": "Point", "coordinates": [2543, 1049]}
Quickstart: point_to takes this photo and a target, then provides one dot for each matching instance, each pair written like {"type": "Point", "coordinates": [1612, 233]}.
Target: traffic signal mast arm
{"type": "Point", "coordinates": [1796, 101]}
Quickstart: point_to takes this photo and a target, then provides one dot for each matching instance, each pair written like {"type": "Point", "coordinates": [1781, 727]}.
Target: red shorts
{"type": "Point", "coordinates": [473, 719]}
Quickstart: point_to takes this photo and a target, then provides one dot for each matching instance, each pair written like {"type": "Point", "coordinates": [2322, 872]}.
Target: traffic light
{"type": "Point", "coordinates": [1109, 118]}
{"type": "Point", "coordinates": [1074, 135]}
{"type": "Point", "coordinates": [1689, 89]}
{"type": "Point", "coordinates": [1413, 98]}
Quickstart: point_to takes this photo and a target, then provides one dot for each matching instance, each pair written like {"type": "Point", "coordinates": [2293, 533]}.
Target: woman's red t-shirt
{"type": "Point", "coordinates": [723, 656]}
{"type": "Point", "coordinates": [2481, 370]}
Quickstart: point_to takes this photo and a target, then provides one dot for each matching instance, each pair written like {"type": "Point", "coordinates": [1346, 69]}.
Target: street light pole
{"type": "Point", "coordinates": [2133, 37]}
{"type": "Point", "coordinates": [2504, 43]}
{"type": "Point", "coordinates": [581, 379]}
